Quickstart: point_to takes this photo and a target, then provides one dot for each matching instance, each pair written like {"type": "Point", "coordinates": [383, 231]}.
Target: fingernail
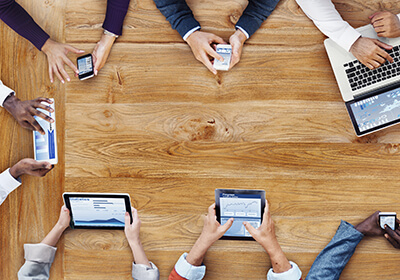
{"type": "Point", "coordinates": [82, 51]}
{"type": "Point", "coordinates": [62, 81]}
{"type": "Point", "coordinates": [386, 235]}
{"type": "Point", "coordinates": [68, 79]}
{"type": "Point", "coordinates": [126, 214]}
{"type": "Point", "coordinates": [52, 121]}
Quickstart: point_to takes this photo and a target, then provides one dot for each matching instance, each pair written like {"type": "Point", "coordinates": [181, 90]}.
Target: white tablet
{"type": "Point", "coordinates": [98, 210]}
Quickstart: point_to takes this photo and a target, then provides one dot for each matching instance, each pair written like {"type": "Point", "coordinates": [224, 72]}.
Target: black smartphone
{"type": "Point", "coordinates": [85, 67]}
{"type": "Point", "coordinates": [388, 218]}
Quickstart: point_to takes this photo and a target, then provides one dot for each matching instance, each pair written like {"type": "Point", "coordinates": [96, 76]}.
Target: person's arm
{"type": "Point", "coordinates": [21, 22]}
{"type": "Point", "coordinates": [190, 266]}
{"type": "Point", "coordinates": [330, 263]}
{"type": "Point", "coordinates": [5, 92]}
{"type": "Point", "coordinates": [142, 268]}
{"type": "Point", "coordinates": [281, 269]}
{"type": "Point", "coordinates": [39, 257]}
{"type": "Point", "coordinates": [393, 236]}
{"type": "Point", "coordinates": [10, 179]}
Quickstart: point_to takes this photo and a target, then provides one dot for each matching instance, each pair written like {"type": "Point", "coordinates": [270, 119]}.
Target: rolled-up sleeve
{"type": "Point", "coordinates": [7, 184]}
{"type": "Point", "coordinates": [144, 272]}
{"type": "Point", "coordinates": [4, 93]}
{"type": "Point", "coordinates": [38, 260]}
{"type": "Point", "coordinates": [292, 274]}
{"type": "Point", "coordinates": [185, 270]}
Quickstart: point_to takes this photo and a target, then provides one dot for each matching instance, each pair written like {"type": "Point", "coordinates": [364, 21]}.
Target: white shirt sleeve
{"type": "Point", "coordinates": [144, 272]}
{"type": "Point", "coordinates": [7, 184]}
{"type": "Point", "coordinates": [188, 271]}
{"type": "Point", "coordinates": [325, 16]}
{"type": "Point", "coordinates": [292, 274]}
{"type": "Point", "coordinates": [38, 260]}
{"type": "Point", "coordinates": [4, 93]}
{"type": "Point", "coordinates": [190, 32]}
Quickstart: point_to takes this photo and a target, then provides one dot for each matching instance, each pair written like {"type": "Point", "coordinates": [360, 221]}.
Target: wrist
{"type": "Point", "coordinates": [107, 39]}
{"type": "Point", "coordinates": [15, 171]}
{"type": "Point", "coordinates": [242, 37]}
{"type": "Point", "coordinates": [47, 46]}
{"type": "Point", "coordinates": [10, 102]}
{"type": "Point", "coordinates": [134, 243]}
{"type": "Point", "coordinates": [60, 228]}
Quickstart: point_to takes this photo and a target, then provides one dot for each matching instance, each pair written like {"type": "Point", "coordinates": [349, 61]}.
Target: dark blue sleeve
{"type": "Point", "coordinates": [254, 15]}
{"type": "Point", "coordinates": [179, 15]}
{"type": "Point", "coordinates": [330, 263]}
{"type": "Point", "coordinates": [115, 15]}
{"type": "Point", "coordinates": [21, 22]}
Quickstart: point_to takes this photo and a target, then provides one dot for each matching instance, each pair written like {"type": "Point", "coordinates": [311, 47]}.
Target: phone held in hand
{"type": "Point", "coordinates": [388, 218]}
{"type": "Point", "coordinates": [225, 51]}
{"type": "Point", "coordinates": [85, 67]}
{"type": "Point", "coordinates": [45, 146]}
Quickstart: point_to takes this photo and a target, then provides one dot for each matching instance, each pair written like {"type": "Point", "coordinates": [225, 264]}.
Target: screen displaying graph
{"type": "Point", "coordinates": [99, 212]}
{"type": "Point", "coordinates": [377, 110]}
{"type": "Point", "coordinates": [243, 208]}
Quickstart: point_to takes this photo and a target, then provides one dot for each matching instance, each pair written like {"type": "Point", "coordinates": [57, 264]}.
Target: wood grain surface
{"type": "Point", "coordinates": [157, 125]}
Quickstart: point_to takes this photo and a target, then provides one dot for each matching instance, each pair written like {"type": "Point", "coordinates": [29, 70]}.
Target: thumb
{"type": "Point", "coordinates": [218, 39]}
{"type": "Point", "coordinates": [73, 49]}
{"type": "Point", "coordinates": [127, 219]}
{"type": "Point", "coordinates": [383, 45]}
{"type": "Point", "coordinates": [374, 14]}
{"type": "Point", "coordinates": [227, 225]}
{"type": "Point", "coordinates": [249, 228]}
{"type": "Point", "coordinates": [40, 165]}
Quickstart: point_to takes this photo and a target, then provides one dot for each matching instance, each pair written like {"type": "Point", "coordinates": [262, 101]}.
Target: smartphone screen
{"type": "Point", "coordinates": [389, 220]}
{"type": "Point", "coordinates": [225, 51]}
{"type": "Point", "coordinates": [85, 67]}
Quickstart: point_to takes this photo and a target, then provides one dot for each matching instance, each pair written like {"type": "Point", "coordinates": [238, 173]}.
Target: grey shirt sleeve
{"type": "Point", "coordinates": [143, 272]}
{"type": "Point", "coordinates": [38, 260]}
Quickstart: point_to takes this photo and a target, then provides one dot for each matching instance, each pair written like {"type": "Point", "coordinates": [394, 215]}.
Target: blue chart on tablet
{"type": "Point", "coordinates": [107, 212]}
{"type": "Point", "coordinates": [241, 207]}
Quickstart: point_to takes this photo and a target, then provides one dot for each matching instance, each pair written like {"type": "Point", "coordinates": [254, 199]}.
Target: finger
{"type": "Point", "coordinates": [36, 125]}
{"type": "Point", "coordinates": [227, 225]}
{"type": "Point", "coordinates": [394, 243]}
{"type": "Point", "coordinates": [266, 211]}
{"type": "Point", "coordinates": [376, 19]}
{"type": "Point", "coordinates": [64, 208]}
{"type": "Point", "coordinates": [204, 59]}
{"type": "Point", "coordinates": [39, 165]}
{"type": "Point", "coordinates": [97, 67]}
{"type": "Point", "coordinates": [249, 228]}
{"type": "Point", "coordinates": [383, 45]}
{"type": "Point", "coordinates": [63, 72]}
{"type": "Point", "coordinates": [43, 172]}
{"type": "Point", "coordinates": [73, 49]}
{"type": "Point", "coordinates": [38, 104]}
{"type": "Point", "coordinates": [71, 65]}
{"type": "Point", "coordinates": [379, 59]}
{"type": "Point", "coordinates": [51, 74]}
{"type": "Point", "coordinates": [135, 215]}
{"type": "Point", "coordinates": [385, 55]}
{"type": "Point", "coordinates": [43, 116]}
{"type": "Point", "coordinates": [217, 39]}
{"type": "Point", "coordinates": [127, 220]}
{"type": "Point", "coordinates": [56, 70]}
{"type": "Point", "coordinates": [44, 99]}
{"type": "Point", "coordinates": [214, 54]}
{"type": "Point", "coordinates": [374, 63]}
{"type": "Point", "coordinates": [211, 210]}
{"type": "Point", "coordinates": [373, 15]}
{"type": "Point", "coordinates": [369, 65]}
{"type": "Point", "coordinates": [27, 125]}
{"type": "Point", "coordinates": [392, 233]}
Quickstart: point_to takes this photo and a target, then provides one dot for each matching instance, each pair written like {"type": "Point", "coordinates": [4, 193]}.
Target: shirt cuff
{"type": "Point", "coordinates": [244, 31]}
{"type": "Point", "coordinates": [188, 271]}
{"type": "Point", "coordinates": [8, 182]}
{"type": "Point", "coordinates": [190, 32]}
{"type": "Point", "coordinates": [348, 37]}
{"type": "Point", "coordinates": [4, 93]}
{"type": "Point", "coordinates": [292, 274]}
{"type": "Point", "coordinates": [398, 15]}
{"type": "Point", "coordinates": [141, 271]}
{"type": "Point", "coordinates": [42, 253]}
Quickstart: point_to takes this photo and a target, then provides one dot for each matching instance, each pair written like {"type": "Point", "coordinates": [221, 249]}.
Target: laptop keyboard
{"type": "Point", "coordinates": [360, 76]}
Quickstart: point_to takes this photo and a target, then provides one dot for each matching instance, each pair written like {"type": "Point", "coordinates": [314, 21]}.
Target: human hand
{"type": "Point", "coordinates": [265, 234]}
{"type": "Point", "coordinates": [132, 231]}
{"type": "Point", "coordinates": [23, 111]}
{"type": "Point", "coordinates": [370, 226]}
{"type": "Point", "coordinates": [370, 52]}
{"type": "Point", "coordinates": [200, 43]}
{"type": "Point", "coordinates": [393, 236]}
{"type": "Point", "coordinates": [101, 51]}
{"type": "Point", "coordinates": [31, 167]}
{"type": "Point", "coordinates": [236, 40]}
{"type": "Point", "coordinates": [386, 24]}
{"type": "Point", "coordinates": [64, 219]}
{"type": "Point", "coordinates": [57, 57]}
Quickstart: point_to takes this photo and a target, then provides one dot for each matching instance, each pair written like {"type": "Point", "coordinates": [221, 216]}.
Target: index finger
{"type": "Point", "coordinates": [44, 99]}
{"type": "Point", "coordinates": [214, 54]}
{"type": "Point", "coordinates": [43, 116]}
{"type": "Point", "coordinates": [36, 125]}
{"type": "Point", "coordinates": [71, 65]}
{"type": "Point", "coordinates": [392, 233]}
{"type": "Point", "coordinates": [207, 63]}
{"type": "Point", "coordinates": [211, 209]}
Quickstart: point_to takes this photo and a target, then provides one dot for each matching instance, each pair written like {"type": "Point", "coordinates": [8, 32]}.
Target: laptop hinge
{"type": "Point", "coordinates": [378, 90]}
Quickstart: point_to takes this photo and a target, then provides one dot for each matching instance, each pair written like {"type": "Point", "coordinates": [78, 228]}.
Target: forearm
{"type": "Point", "coordinates": [325, 16]}
{"type": "Point", "coordinates": [138, 253]}
{"type": "Point", "coordinates": [115, 15]}
{"type": "Point", "coordinates": [21, 22]}
{"type": "Point", "coordinates": [178, 14]}
{"type": "Point", "coordinates": [198, 252]}
{"type": "Point", "coordinates": [278, 259]}
{"type": "Point", "coordinates": [53, 236]}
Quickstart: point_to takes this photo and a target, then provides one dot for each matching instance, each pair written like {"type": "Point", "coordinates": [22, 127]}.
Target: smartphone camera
{"type": "Point", "coordinates": [85, 67]}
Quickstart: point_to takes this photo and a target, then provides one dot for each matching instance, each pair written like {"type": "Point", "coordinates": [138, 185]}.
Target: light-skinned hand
{"type": "Point", "coordinates": [393, 236]}
{"type": "Point", "coordinates": [57, 57]}
{"type": "Point", "coordinates": [64, 219]}
{"type": "Point", "coordinates": [23, 111]}
{"type": "Point", "coordinates": [386, 24]}
{"type": "Point", "coordinates": [200, 43]}
{"type": "Point", "coordinates": [132, 231]}
{"type": "Point", "coordinates": [237, 41]}
{"type": "Point", "coordinates": [370, 226]}
{"type": "Point", "coordinates": [31, 167]}
{"type": "Point", "coordinates": [370, 52]}
{"type": "Point", "coordinates": [101, 51]}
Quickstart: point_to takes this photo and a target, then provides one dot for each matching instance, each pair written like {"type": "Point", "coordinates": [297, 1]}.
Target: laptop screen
{"type": "Point", "coordinates": [373, 112]}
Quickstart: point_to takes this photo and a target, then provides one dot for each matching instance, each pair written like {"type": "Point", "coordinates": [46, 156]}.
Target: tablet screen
{"type": "Point", "coordinates": [98, 211]}
{"type": "Point", "coordinates": [243, 208]}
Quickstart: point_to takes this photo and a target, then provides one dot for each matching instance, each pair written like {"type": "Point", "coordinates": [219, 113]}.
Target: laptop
{"type": "Point", "coordinates": [372, 97]}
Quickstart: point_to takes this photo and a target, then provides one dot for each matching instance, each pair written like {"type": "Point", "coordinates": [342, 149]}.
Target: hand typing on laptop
{"type": "Point", "coordinates": [386, 24]}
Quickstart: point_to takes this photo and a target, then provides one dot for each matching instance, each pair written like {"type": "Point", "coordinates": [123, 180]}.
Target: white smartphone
{"type": "Point", "coordinates": [387, 218]}
{"type": "Point", "coordinates": [45, 146]}
{"type": "Point", "coordinates": [225, 51]}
